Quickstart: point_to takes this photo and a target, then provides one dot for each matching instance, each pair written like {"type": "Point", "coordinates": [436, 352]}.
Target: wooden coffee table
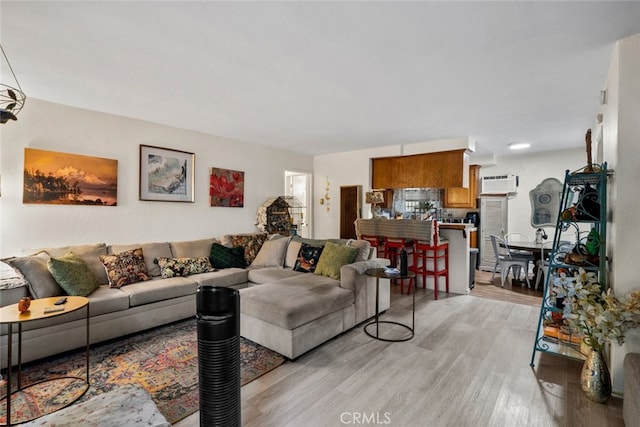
{"type": "Point", "coordinates": [10, 316]}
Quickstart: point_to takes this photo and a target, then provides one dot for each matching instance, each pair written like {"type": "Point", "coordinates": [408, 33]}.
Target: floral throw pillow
{"type": "Point", "coordinates": [176, 267]}
{"type": "Point", "coordinates": [251, 244]}
{"type": "Point", "coordinates": [125, 268]}
{"type": "Point", "coordinates": [308, 257]}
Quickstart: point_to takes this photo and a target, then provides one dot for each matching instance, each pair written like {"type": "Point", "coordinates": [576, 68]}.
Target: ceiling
{"type": "Point", "coordinates": [325, 77]}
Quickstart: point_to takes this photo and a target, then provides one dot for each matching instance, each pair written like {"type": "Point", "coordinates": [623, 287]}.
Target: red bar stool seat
{"type": "Point", "coordinates": [431, 260]}
{"type": "Point", "coordinates": [392, 249]}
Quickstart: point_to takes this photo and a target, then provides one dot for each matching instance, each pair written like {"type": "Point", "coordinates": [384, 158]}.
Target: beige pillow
{"type": "Point", "coordinates": [363, 247]}
{"type": "Point", "coordinates": [272, 253]}
{"type": "Point", "coordinates": [192, 248]}
{"type": "Point", "coordinates": [293, 249]}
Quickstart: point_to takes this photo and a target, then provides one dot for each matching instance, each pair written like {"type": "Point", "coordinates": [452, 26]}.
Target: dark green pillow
{"type": "Point", "coordinates": [73, 274]}
{"type": "Point", "coordinates": [333, 257]}
{"type": "Point", "coordinates": [225, 257]}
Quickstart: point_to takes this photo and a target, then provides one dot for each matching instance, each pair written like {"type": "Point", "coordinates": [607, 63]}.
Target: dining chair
{"type": "Point", "coordinates": [507, 260]}
{"type": "Point", "coordinates": [542, 263]}
{"type": "Point", "coordinates": [563, 248]}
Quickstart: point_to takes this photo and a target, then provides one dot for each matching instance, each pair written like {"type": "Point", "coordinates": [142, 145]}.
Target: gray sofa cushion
{"type": "Point", "coordinates": [268, 275]}
{"type": "Point", "coordinates": [89, 254]}
{"type": "Point", "coordinates": [34, 269]}
{"type": "Point", "coordinates": [159, 289]}
{"type": "Point", "coordinates": [290, 303]}
{"type": "Point", "coordinates": [364, 249]}
{"type": "Point", "coordinates": [226, 277]}
{"type": "Point", "coordinates": [192, 248]}
{"type": "Point", "coordinates": [107, 300]}
{"type": "Point", "coordinates": [150, 251]}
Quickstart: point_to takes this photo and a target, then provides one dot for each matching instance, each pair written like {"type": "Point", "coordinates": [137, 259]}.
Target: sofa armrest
{"type": "Point", "coordinates": [353, 277]}
{"type": "Point", "coordinates": [350, 273]}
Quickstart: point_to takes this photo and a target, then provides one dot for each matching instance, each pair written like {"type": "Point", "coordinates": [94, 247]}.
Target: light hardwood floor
{"type": "Point", "coordinates": [468, 365]}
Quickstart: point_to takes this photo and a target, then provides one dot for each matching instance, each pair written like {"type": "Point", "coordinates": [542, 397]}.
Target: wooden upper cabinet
{"type": "Point", "coordinates": [443, 169]}
{"type": "Point", "coordinates": [464, 197]}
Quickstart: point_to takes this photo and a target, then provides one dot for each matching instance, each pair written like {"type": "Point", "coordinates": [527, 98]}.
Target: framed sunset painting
{"type": "Point", "coordinates": [51, 177]}
{"type": "Point", "coordinates": [226, 188]}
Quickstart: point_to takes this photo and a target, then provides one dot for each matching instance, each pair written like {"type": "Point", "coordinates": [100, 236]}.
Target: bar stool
{"type": "Point", "coordinates": [375, 242]}
{"type": "Point", "coordinates": [428, 260]}
{"type": "Point", "coordinates": [392, 248]}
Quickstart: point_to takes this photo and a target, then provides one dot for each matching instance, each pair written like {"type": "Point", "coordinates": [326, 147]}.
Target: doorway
{"type": "Point", "coordinates": [349, 210]}
{"type": "Point", "coordinates": [298, 184]}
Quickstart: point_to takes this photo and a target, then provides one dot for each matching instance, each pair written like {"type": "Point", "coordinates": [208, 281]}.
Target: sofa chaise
{"type": "Point", "coordinates": [283, 307]}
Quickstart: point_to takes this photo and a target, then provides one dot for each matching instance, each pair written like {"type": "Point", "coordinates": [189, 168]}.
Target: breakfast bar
{"type": "Point", "coordinates": [459, 237]}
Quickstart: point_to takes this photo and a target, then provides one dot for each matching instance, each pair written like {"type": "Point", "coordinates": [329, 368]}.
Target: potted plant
{"type": "Point", "coordinates": [599, 317]}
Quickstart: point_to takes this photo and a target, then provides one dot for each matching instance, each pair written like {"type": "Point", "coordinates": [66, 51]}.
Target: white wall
{"type": "Point", "coordinates": [621, 133]}
{"type": "Point", "coordinates": [55, 127]}
{"type": "Point", "coordinates": [353, 168]}
{"type": "Point", "coordinates": [532, 168]}
{"type": "Point", "coordinates": [341, 169]}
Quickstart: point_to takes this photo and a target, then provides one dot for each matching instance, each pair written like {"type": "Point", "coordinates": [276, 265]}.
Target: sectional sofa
{"type": "Point", "coordinates": [283, 307]}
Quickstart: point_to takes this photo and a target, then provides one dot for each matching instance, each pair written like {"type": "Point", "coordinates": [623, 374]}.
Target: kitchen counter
{"type": "Point", "coordinates": [457, 234]}
{"type": "Point", "coordinates": [457, 226]}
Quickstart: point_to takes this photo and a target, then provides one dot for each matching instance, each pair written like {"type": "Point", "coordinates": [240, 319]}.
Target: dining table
{"type": "Point", "coordinates": [535, 249]}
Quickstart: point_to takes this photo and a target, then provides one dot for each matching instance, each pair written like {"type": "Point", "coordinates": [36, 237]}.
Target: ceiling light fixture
{"type": "Point", "coordinates": [519, 145]}
{"type": "Point", "coordinates": [11, 98]}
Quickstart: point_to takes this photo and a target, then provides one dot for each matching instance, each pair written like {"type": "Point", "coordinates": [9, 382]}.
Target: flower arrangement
{"type": "Point", "coordinates": [600, 316]}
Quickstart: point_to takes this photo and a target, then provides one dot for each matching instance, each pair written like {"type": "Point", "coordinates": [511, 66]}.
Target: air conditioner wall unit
{"type": "Point", "coordinates": [499, 184]}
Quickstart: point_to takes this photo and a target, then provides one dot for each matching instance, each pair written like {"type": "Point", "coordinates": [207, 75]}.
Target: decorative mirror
{"type": "Point", "coordinates": [545, 202]}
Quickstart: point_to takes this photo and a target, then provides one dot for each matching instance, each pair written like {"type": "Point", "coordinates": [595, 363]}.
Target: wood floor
{"type": "Point", "coordinates": [468, 365]}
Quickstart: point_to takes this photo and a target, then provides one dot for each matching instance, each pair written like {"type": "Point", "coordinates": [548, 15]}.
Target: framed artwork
{"type": "Point", "coordinates": [166, 175]}
{"type": "Point", "coordinates": [226, 188]}
{"type": "Point", "coordinates": [545, 202]}
{"type": "Point", "coordinates": [51, 177]}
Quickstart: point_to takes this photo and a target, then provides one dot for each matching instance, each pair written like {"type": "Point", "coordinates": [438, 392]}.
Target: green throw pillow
{"type": "Point", "coordinates": [225, 257]}
{"type": "Point", "coordinates": [73, 274]}
{"type": "Point", "coordinates": [333, 257]}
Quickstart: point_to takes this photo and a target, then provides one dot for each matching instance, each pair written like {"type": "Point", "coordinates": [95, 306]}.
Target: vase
{"type": "Point", "coordinates": [595, 379]}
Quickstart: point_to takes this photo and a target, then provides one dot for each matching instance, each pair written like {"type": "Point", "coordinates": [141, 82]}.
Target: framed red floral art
{"type": "Point", "coordinates": [226, 188]}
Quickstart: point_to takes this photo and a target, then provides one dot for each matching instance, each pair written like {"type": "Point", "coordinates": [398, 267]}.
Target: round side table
{"type": "Point", "coordinates": [381, 273]}
{"type": "Point", "coordinates": [9, 315]}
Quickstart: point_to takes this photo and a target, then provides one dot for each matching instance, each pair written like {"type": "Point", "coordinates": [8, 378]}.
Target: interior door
{"type": "Point", "coordinates": [349, 210]}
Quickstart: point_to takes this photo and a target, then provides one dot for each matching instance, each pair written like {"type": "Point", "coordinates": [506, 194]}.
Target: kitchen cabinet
{"type": "Point", "coordinates": [444, 169]}
{"type": "Point", "coordinates": [473, 239]}
{"type": "Point", "coordinates": [460, 197]}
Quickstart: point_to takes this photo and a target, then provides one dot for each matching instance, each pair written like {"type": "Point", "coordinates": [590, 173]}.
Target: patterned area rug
{"type": "Point", "coordinates": [163, 361]}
